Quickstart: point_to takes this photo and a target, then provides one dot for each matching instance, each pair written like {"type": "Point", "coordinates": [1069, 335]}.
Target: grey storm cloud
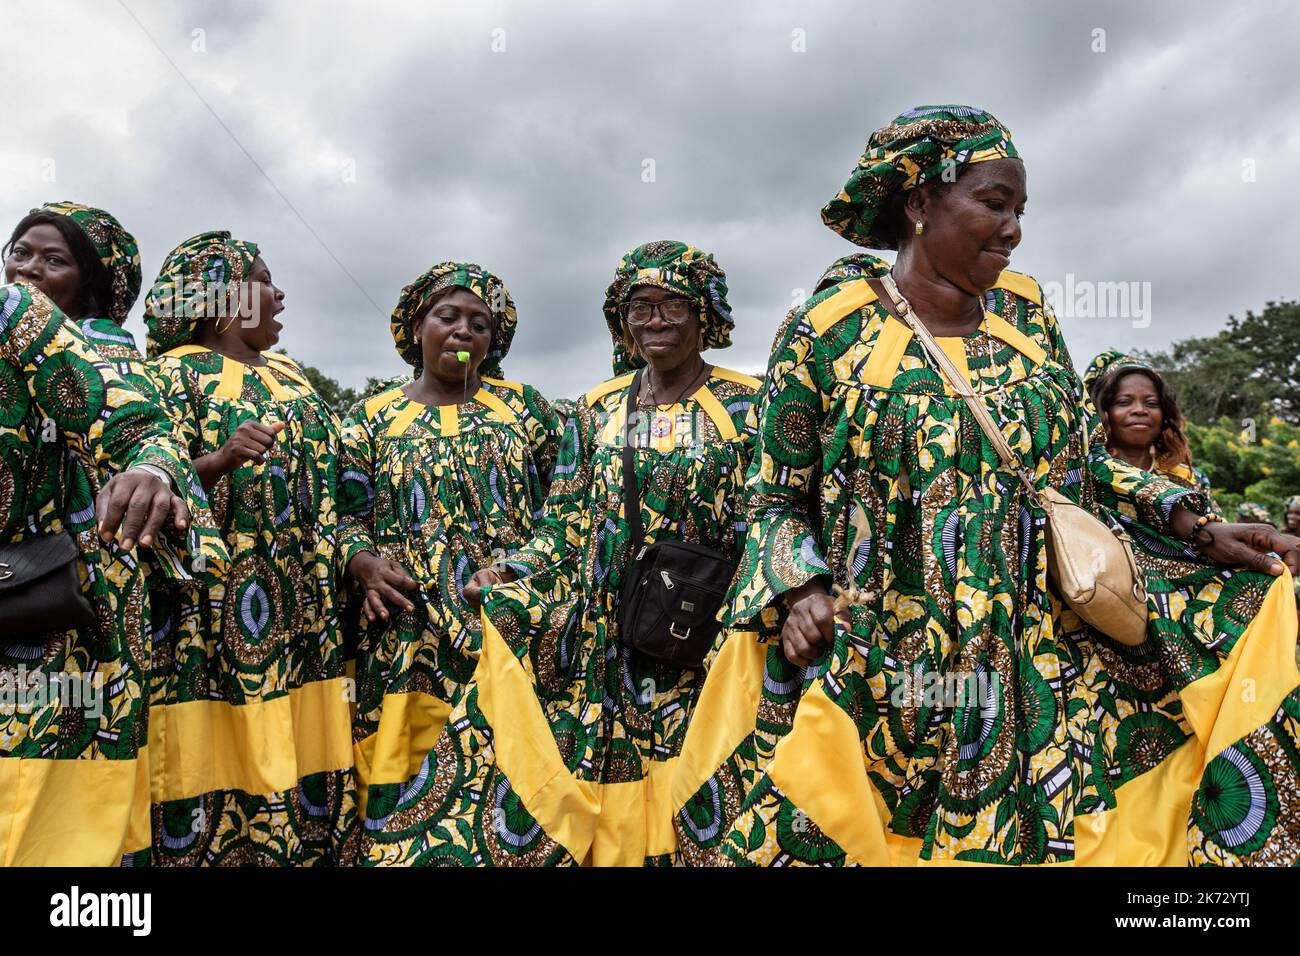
{"type": "Point", "coordinates": [390, 136]}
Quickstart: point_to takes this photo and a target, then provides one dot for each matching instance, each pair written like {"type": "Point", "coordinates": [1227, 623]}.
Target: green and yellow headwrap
{"type": "Point", "coordinates": [466, 275]}
{"type": "Point", "coordinates": [917, 147]}
{"type": "Point", "coordinates": [1111, 361]}
{"type": "Point", "coordinates": [116, 249]}
{"type": "Point", "coordinates": [192, 285]}
{"type": "Point", "coordinates": [856, 265]}
{"type": "Point", "coordinates": [679, 268]}
{"type": "Point", "coordinates": [1253, 511]}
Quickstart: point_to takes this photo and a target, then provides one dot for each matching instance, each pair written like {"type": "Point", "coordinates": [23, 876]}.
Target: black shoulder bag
{"type": "Point", "coordinates": [40, 589]}
{"type": "Point", "coordinates": [672, 590]}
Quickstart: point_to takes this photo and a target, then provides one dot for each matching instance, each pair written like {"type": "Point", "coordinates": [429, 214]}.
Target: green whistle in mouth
{"type": "Point", "coordinates": [462, 356]}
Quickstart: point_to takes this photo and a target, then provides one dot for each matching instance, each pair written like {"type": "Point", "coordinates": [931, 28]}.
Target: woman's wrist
{"type": "Point", "coordinates": [796, 594]}
{"type": "Point", "coordinates": [357, 564]}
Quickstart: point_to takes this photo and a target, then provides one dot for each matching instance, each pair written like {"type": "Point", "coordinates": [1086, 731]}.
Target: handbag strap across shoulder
{"type": "Point", "coordinates": [631, 495]}
{"type": "Point", "coordinates": [961, 385]}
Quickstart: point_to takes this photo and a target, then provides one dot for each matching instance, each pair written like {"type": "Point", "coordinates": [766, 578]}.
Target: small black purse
{"type": "Point", "coordinates": [40, 589]}
{"type": "Point", "coordinates": [672, 590]}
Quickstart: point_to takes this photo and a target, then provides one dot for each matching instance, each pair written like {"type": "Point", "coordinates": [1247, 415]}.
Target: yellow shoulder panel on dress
{"type": "Point", "coordinates": [850, 297]}
{"type": "Point", "coordinates": [1022, 285]}
{"type": "Point", "coordinates": [449, 420]}
{"type": "Point", "coordinates": [604, 388]}
{"type": "Point", "coordinates": [502, 410]}
{"type": "Point", "coordinates": [731, 375]}
{"type": "Point", "coordinates": [1004, 330]}
{"type": "Point", "coordinates": [402, 420]}
{"type": "Point", "coordinates": [502, 383]}
{"type": "Point", "coordinates": [714, 409]}
{"type": "Point", "coordinates": [183, 350]}
{"type": "Point", "coordinates": [273, 385]}
{"type": "Point", "coordinates": [886, 354]}
{"type": "Point", "coordinates": [294, 373]}
{"type": "Point", "coordinates": [382, 400]}
{"type": "Point", "coordinates": [231, 384]}
{"type": "Point", "coordinates": [279, 358]}
{"type": "Point", "coordinates": [955, 348]}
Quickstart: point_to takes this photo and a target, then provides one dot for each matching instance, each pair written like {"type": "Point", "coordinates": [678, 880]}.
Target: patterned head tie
{"type": "Point", "coordinates": [116, 249]}
{"type": "Point", "coordinates": [1112, 362]}
{"type": "Point", "coordinates": [193, 285]}
{"type": "Point", "coordinates": [678, 268]}
{"type": "Point", "coordinates": [465, 275]}
{"type": "Point", "coordinates": [917, 147]}
{"type": "Point", "coordinates": [1253, 511]}
{"type": "Point", "coordinates": [1292, 502]}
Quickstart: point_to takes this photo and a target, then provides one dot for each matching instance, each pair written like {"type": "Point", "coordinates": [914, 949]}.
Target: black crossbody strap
{"type": "Point", "coordinates": [631, 496]}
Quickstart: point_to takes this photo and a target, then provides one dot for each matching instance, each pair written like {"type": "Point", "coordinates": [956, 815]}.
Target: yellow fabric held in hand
{"type": "Point", "coordinates": [815, 765]}
{"type": "Point", "coordinates": [262, 747]}
{"type": "Point", "coordinates": [78, 812]}
{"type": "Point", "coordinates": [409, 725]}
{"type": "Point", "coordinates": [566, 808]}
{"type": "Point", "coordinates": [1148, 827]}
{"type": "Point", "coordinates": [724, 715]}
{"type": "Point", "coordinates": [835, 793]}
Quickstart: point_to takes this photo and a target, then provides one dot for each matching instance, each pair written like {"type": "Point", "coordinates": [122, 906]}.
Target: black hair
{"type": "Point", "coordinates": [95, 297]}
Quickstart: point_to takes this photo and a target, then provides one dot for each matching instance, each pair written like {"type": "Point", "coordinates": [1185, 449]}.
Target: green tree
{"type": "Point", "coordinates": [1257, 462]}
{"type": "Point", "coordinates": [1254, 363]}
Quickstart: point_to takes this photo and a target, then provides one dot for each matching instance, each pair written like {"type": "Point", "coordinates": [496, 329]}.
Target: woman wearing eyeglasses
{"type": "Point", "coordinates": [562, 748]}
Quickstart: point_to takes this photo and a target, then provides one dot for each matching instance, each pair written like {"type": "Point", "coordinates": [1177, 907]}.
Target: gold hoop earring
{"type": "Point", "coordinates": [219, 330]}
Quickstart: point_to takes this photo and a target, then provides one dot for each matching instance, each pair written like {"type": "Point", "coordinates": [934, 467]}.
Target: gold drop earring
{"type": "Point", "coordinates": [920, 227]}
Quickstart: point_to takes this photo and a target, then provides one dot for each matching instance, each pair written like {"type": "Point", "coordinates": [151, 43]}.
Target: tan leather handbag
{"type": "Point", "coordinates": [1091, 564]}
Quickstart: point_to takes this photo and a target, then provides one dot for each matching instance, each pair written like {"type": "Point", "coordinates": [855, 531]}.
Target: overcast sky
{"type": "Point", "coordinates": [390, 136]}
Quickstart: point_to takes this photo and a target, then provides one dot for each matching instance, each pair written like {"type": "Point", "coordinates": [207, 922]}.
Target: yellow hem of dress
{"type": "Point", "coordinates": [73, 812]}
{"type": "Point", "coordinates": [611, 824]}
{"type": "Point", "coordinates": [409, 725]}
{"type": "Point", "coordinates": [1148, 827]}
{"type": "Point", "coordinates": [724, 715]}
{"type": "Point", "coordinates": [262, 747]}
{"type": "Point", "coordinates": [565, 807]}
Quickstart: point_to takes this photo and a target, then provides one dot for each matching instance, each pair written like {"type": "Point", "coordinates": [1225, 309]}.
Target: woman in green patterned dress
{"type": "Point", "coordinates": [440, 477]}
{"type": "Point", "coordinates": [83, 259]}
{"type": "Point", "coordinates": [946, 706]}
{"type": "Point", "coordinates": [562, 748]}
{"type": "Point", "coordinates": [249, 738]}
{"type": "Point", "coordinates": [74, 775]}
{"type": "Point", "coordinates": [1141, 422]}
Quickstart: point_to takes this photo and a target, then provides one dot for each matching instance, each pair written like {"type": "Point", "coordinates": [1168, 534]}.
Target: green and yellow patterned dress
{"type": "Point", "coordinates": [443, 491]}
{"type": "Point", "coordinates": [563, 748]}
{"type": "Point", "coordinates": [962, 714]}
{"type": "Point", "coordinates": [250, 735]}
{"type": "Point", "coordinates": [74, 771]}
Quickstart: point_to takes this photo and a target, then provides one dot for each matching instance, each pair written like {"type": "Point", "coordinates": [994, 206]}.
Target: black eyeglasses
{"type": "Point", "coordinates": [672, 311]}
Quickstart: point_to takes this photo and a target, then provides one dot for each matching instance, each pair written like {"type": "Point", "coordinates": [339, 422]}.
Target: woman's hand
{"type": "Point", "coordinates": [250, 442]}
{"type": "Point", "coordinates": [1248, 546]}
{"type": "Point", "coordinates": [810, 626]}
{"type": "Point", "coordinates": [383, 582]}
{"type": "Point", "coordinates": [482, 578]}
{"type": "Point", "coordinates": [139, 502]}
